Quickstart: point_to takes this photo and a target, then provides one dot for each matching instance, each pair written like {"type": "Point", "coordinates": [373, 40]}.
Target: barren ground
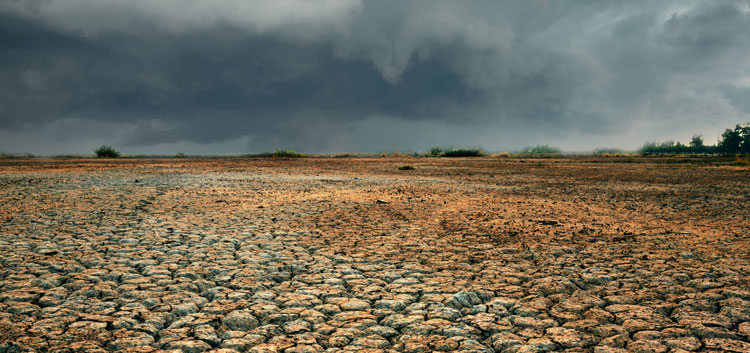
{"type": "Point", "coordinates": [481, 255]}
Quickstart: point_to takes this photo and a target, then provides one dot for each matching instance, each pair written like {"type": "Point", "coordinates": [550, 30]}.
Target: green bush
{"type": "Point", "coordinates": [436, 151]}
{"type": "Point", "coordinates": [106, 151]}
{"type": "Point", "coordinates": [463, 152]}
{"type": "Point", "coordinates": [287, 154]}
{"type": "Point", "coordinates": [541, 149]}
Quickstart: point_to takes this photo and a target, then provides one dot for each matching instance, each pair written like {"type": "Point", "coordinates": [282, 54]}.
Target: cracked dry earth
{"type": "Point", "coordinates": [475, 255]}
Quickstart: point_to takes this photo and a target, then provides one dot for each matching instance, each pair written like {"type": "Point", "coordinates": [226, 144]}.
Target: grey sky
{"type": "Point", "coordinates": [331, 76]}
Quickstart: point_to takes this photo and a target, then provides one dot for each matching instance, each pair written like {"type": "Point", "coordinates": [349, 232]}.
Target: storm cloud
{"type": "Point", "coordinates": [330, 76]}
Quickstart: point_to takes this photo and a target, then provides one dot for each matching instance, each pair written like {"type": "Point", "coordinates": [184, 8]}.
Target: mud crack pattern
{"type": "Point", "coordinates": [289, 258]}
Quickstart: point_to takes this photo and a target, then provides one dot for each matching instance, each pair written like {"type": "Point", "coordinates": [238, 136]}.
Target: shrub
{"type": "Point", "coordinates": [608, 151]}
{"type": "Point", "coordinates": [406, 167]}
{"type": "Point", "coordinates": [436, 151]}
{"type": "Point", "coordinates": [105, 151]}
{"type": "Point", "coordinates": [287, 154]}
{"type": "Point", "coordinates": [541, 149]}
{"type": "Point", "coordinates": [463, 152]}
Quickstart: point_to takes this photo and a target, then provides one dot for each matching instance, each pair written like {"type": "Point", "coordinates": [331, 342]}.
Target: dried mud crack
{"type": "Point", "coordinates": [485, 255]}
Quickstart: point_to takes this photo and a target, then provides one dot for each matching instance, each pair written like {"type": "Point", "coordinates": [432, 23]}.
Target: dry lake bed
{"type": "Point", "coordinates": [601, 255]}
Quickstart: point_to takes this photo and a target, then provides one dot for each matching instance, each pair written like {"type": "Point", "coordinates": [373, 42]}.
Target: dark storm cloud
{"type": "Point", "coordinates": [323, 75]}
{"type": "Point", "coordinates": [738, 96]}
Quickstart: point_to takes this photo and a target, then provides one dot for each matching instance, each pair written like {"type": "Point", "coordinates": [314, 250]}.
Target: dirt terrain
{"type": "Point", "coordinates": [598, 255]}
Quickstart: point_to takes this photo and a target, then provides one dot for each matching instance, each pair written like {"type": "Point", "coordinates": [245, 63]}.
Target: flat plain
{"type": "Point", "coordinates": [591, 254]}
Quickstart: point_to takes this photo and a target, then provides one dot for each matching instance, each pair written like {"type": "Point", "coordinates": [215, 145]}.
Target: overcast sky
{"type": "Point", "coordinates": [236, 76]}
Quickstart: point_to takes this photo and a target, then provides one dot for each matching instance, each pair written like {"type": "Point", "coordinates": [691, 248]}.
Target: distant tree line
{"type": "Point", "coordinates": [732, 141]}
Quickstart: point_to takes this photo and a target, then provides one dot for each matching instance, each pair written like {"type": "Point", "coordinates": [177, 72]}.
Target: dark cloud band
{"type": "Point", "coordinates": [205, 76]}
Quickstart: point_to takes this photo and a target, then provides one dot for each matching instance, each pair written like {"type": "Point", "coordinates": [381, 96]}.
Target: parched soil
{"type": "Point", "coordinates": [328, 254]}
